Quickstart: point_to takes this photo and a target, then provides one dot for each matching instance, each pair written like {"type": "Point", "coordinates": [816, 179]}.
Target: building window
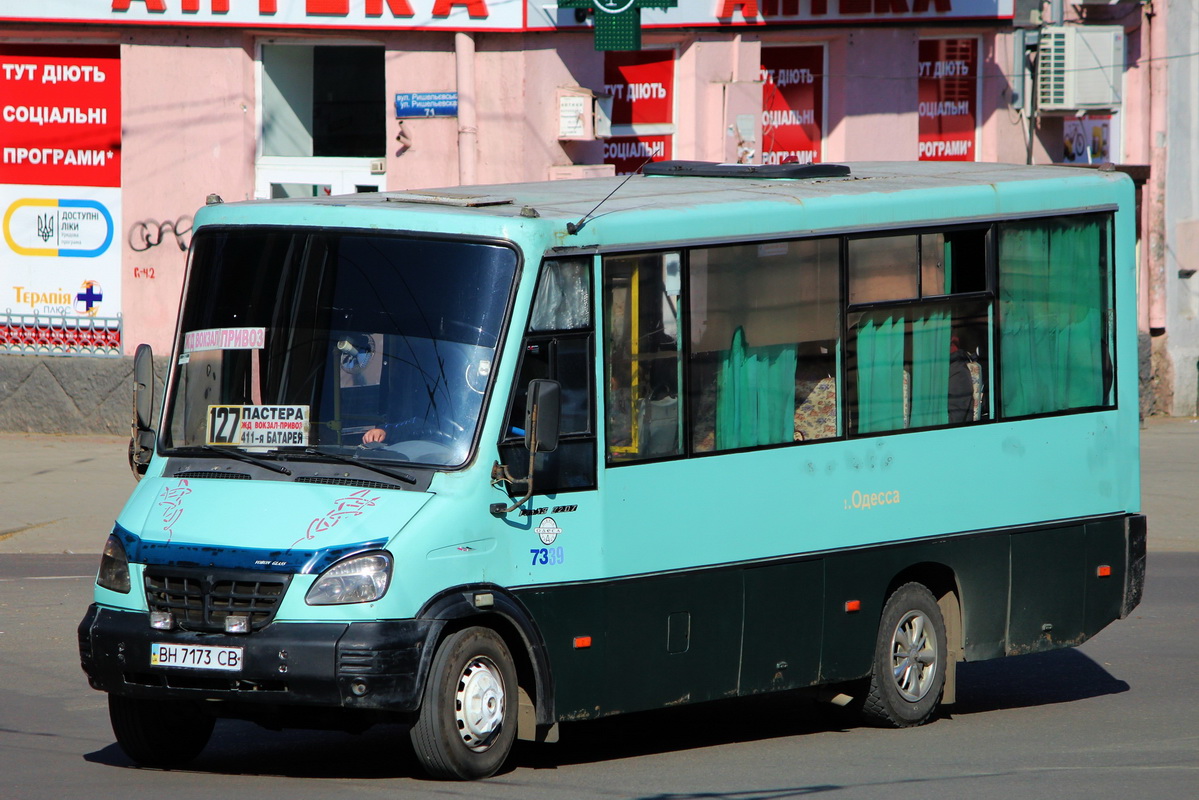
{"type": "Point", "coordinates": [792, 104]}
{"type": "Point", "coordinates": [641, 85]}
{"type": "Point", "coordinates": [947, 99]}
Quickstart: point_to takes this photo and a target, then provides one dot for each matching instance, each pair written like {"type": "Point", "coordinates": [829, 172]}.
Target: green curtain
{"type": "Point", "coordinates": [880, 374]}
{"type": "Point", "coordinates": [755, 395]}
{"type": "Point", "coordinates": [930, 370]}
{"type": "Point", "coordinates": [1051, 324]}
{"type": "Point", "coordinates": [1080, 341]}
{"type": "Point", "coordinates": [947, 251]}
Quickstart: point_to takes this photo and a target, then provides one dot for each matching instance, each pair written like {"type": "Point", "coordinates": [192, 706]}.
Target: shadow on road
{"type": "Point", "coordinates": [1059, 676]}
{"type": "Point", "coordinates": [241, 748]}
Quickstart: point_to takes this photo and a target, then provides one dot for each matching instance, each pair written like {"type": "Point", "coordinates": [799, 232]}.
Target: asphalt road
{"type": "Point", "coordinates": [1117, 717]}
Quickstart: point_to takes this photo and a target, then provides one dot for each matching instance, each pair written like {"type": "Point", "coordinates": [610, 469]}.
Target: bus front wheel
{"type": "Point", "coordinates": [467, 722]}
{"type": "Point", "coordinates": [159, 733]}
{"type": "Point", "coordinates": [908, 675]}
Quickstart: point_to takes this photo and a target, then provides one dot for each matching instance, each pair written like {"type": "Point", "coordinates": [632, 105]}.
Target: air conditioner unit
{"type": "Point", "coordinates": [1080, 67]}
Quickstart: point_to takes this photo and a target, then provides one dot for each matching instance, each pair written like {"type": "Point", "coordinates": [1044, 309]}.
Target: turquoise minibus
{"type": "Point", "coordinates": [484, 460]}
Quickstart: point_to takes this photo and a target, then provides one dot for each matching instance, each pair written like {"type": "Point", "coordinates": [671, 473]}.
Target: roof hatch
{"type": "Point", "coordinates": [448, 199]}
{"type": "Point", "coordinates": [711, 169]}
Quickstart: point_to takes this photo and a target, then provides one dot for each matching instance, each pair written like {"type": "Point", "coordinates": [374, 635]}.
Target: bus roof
{"type": "Point", "coordinates": [596, 212]}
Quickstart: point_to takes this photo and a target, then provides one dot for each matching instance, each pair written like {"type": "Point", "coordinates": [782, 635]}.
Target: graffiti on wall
{"type": "Point", "coordinates": [150, 233]}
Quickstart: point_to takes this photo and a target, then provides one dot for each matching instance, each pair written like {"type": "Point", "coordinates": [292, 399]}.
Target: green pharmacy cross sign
{"type": "Point", "coordinates": [617, 22]}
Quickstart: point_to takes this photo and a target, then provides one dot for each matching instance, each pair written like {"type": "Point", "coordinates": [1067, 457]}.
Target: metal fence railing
{"type": "Point", "coordinates": [59, 335]}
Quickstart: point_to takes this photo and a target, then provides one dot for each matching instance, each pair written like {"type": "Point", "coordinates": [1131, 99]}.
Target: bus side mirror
{"type": "Point", "coordinates": [141, 442]}
{"type": "Point", "coordinates": [542, 412]}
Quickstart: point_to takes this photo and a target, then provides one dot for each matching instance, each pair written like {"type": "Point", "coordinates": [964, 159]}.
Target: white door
{"type": "Point", "coordinates": [291, 176]}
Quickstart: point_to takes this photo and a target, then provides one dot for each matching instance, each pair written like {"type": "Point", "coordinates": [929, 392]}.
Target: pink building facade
{"type": "Point", "coordinates": [118, 121]}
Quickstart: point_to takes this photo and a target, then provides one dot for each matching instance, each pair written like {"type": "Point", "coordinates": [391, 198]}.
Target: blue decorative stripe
{"type": "Point", "coordinates": [181, 554]}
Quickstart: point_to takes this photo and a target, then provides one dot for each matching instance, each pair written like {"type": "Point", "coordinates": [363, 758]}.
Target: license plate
{"type": "Point", "coordinates": [227, 659]}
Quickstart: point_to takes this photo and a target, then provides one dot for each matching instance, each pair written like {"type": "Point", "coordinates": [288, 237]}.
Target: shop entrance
{"type": "Point", "coordinates": [323, 120]}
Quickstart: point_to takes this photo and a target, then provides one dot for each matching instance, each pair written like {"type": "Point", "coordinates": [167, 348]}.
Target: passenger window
{"type": "Point", "coordinates": [1054, 315]}
{"type": "Point", "coordinates": [925, 362]}
{"type": "Point", "coordinates": [884, 268]}
{"type": "Point", "coordinates": [764, 329]}
{"type": "Point", "coordinates": [919, 366]}
{"type": "Point", "coordinates": [953, 262]}
{"type": "Point", "coordinates": [889, 268]}
{"type": "Point", "coordinates": [641, 342]}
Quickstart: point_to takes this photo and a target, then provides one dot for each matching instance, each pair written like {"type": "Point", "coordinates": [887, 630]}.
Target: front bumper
{"type": "Point", "coordinates": [378, 666]}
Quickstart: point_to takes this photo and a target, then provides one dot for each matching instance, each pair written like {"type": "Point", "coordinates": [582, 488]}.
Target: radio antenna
{"type": "Point", "coordinates": [574, 227]}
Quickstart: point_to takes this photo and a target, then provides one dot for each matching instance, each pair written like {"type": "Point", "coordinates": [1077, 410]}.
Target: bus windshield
{"type": "Point", "coordinates": [338, 343]}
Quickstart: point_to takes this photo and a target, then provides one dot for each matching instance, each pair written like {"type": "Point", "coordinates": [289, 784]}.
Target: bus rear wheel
{"type": "Point", "coordinates": [159, 733]}
{"type": "Point", "coordinates": [908, 675]}
{"type": "Point", "coordinates": [467, 721]}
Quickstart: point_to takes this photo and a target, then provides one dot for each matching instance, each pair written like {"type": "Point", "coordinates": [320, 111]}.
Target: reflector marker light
{"type": "Point", "coordinates": [852, 606]}
{"type": "Point", "coordinates": [1104, 571]}
{"type": "Point", "coordinates": [582, 642]}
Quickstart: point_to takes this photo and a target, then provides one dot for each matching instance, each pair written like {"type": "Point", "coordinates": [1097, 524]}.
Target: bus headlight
{"type": "Point", "coordinates": [114, 567]}
{"type": "Point", "coordinates": [357, 579]}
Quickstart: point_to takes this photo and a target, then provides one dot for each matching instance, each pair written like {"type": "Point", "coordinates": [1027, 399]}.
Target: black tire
{"type": "Point", "coordinates": [908, 675]}
{"type": "Point", "coordinates": [159, 733]}
{"type": "Point", "coordinates": [467, 721]}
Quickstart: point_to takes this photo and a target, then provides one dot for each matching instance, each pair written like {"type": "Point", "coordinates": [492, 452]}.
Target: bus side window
{"type": "Point", "coordinates": [1054, 314]}
{"type": "Point", "coordinates": [919, 366]}
{"type": "Point", "coordinates": [641, 356]}
{"type": "Point", "coordinates": [557, 345]}
{"type": "Point", "coordinates": [919, 337]}
{"type": "Point", "coordinates": [764, 329]}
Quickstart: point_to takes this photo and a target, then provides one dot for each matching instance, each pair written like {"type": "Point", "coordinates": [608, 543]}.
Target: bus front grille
{"type": "Point", "coordinates": [201, 599]}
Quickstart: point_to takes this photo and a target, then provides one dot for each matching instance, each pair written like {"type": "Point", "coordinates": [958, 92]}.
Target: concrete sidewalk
{"type": "Point", "coordinates": [61, 494]}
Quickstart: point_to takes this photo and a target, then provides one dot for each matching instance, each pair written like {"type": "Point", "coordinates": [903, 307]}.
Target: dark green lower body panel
{"type": "Point", "coordinates": [667, 639]}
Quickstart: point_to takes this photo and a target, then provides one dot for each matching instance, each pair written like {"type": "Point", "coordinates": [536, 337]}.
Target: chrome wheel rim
{"type": "Point", "coordinates": [479, 703]}
{"type": "Point", "coordinates": [914, 656]}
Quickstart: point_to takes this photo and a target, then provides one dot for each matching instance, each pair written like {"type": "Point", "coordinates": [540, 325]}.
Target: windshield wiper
{"type": "Point", "coordinates": [249, 459]}
{"type": "Point", "coordinates": [391, 473]}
